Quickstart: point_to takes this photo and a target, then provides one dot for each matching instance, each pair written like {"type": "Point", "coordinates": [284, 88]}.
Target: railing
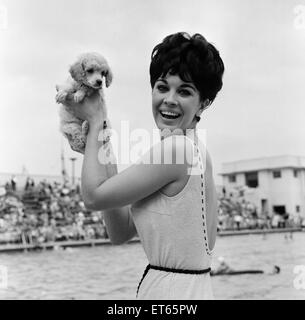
{"type": "Point", "coordinates": [55, 245]}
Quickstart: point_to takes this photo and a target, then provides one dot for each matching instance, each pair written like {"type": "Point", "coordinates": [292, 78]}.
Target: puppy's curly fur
{"type": "Point", "coordinates": [87, 75]}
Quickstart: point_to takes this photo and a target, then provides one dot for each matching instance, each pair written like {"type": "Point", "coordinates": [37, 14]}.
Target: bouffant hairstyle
{"type": "Point", "coordinates": [193, 58]}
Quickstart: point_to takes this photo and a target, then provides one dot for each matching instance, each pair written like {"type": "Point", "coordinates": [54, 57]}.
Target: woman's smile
{"type": "Point", "coordinates": [175, 103]}
{"type": "Point", "coordinates": [169, 114]}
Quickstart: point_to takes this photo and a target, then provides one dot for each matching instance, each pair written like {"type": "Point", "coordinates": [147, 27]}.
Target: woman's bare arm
{"type": "Point", "coordinates": [134, 183]}
{"type": "Point", "coordinates": [105, 189]}
{"type": "Point", "coordinates": [119, 223]}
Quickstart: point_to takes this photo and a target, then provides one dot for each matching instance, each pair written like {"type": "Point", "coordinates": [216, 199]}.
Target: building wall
{"type": "Point", "coordinates": [264, 164]}
{"type": "Point", "coordinates": [240, 179]}
{"type": "Point", "coordinates": [288, 191]}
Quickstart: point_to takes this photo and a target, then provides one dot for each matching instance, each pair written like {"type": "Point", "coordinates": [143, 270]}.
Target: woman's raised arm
{"type": "Point", "coordinates": [105, 189]}
{"type": "Point", "coordinates": [119, 222]}
{"type": "Point", "coordinates": [134, 183]}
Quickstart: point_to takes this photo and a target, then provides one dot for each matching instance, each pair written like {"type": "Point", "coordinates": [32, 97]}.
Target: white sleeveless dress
{"type": "Point", "coordinates": [173, 232]}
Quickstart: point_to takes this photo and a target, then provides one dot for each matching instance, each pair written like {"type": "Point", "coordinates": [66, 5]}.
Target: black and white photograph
{"type": "Point", "coordinates": [152, 150]}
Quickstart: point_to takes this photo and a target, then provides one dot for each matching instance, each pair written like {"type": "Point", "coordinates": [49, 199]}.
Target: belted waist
{"type": "Point", "coordinates": [186, 271]}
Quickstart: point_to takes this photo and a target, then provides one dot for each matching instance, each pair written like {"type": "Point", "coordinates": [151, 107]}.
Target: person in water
{"type": "Point", "coordinates": [225, 269]}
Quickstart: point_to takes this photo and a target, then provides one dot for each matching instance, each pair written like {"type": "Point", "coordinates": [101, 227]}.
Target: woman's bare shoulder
{"type": "Point", "coordinates": [171, 150]}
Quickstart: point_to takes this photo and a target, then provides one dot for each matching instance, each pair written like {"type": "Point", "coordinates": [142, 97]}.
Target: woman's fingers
{"type": "Point", "coordinates": [88, 108]}
{"type": "Point", "coordinates": [74, 107]}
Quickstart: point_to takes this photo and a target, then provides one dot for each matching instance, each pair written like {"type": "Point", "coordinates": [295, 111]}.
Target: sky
{"type": "Point", "coordinates": [259, 112]}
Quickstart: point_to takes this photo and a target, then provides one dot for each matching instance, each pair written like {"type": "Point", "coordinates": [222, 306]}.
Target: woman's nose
{"type": "Point", "coordinates": [170, 99]}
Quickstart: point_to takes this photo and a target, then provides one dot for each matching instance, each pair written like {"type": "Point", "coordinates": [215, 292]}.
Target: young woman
{"type": "Point", "coordinates": [172, 206]}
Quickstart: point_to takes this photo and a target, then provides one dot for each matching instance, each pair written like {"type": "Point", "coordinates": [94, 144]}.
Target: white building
{"type": "Point", "coordinates": [274, 184]}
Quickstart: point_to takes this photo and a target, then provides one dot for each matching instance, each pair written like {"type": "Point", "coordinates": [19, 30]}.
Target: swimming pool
{"type": "Point", "coordinates": [113, 272]}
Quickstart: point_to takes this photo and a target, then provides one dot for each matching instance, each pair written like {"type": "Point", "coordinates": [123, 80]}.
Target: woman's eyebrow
{"type": "Point", "coordinates": [163, 80]}
{"type": "Point", "coordinates": [185, 85]}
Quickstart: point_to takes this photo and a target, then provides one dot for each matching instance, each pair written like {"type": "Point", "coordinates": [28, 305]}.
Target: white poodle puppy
{"type": "Point", "coordinates": [87, 75]}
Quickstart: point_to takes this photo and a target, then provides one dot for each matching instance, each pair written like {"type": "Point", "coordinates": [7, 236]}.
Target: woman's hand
{"type": "Point", "coordinates": [90, 109]}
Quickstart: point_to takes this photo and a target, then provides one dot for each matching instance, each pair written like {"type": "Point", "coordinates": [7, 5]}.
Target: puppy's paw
{"type": "Point", "coordinates": [61, 96]}
{"type": "Point", "coordinates": [79, 96]}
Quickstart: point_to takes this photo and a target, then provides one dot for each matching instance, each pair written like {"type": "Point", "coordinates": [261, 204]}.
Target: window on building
{"type": "Point", "coordinates": [232, 178]}
{"type": "Point", "coordinates": [297, 208]}
{"type": "Point", "coordinates": [252, 179]}
{"type": "Point", "coordinates": [295, 173]}
{"type": "Point", "coordinates": [277, 174]}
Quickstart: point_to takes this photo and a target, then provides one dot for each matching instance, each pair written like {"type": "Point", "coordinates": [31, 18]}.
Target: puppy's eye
{"type": "Point", "coordinates": [90, 70]}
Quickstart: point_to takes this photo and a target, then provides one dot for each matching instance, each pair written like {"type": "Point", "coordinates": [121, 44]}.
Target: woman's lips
{"type": "Point", "coordinates": [169, 115]}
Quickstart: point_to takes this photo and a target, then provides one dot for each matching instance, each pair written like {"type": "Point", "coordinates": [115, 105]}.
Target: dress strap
{"type": "Point", "coordinates": [185, 271]}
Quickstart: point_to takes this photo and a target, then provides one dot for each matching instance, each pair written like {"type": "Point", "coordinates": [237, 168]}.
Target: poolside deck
{"type": "Point", "coordinates": [91, 243]}
{"type": "Point", "coordinates": [258, 231]}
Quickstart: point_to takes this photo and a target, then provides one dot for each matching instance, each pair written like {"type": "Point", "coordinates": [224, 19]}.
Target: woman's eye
{"type": "Point", "coordinates": [161, 88]}
{"type": "Point", "coordinates": [184, 92]}
{"type": "Point", "coordinates": [90, 70]}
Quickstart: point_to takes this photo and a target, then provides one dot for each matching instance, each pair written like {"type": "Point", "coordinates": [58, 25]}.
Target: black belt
{"type": "Point", "coordinates": [171, 270]}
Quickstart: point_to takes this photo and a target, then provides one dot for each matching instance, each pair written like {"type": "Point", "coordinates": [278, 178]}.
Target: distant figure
{"type": "Point", "coordinates": [225, 269]}
{"type": "Point", "coordinates": [289, 237]}
{"type": "Point", "coordinates": [78, 190]}
{"type": "Point", "coordinates": [224, 192]}
{"type": "Point", "coordinates": [7, 186]}
{"type": "Point", "coordinates": [28, 184]}
{"type": "Point", "coordinates": [238, 219]}
{"type": "Point", "coordinates": [14, 183]}
{"type": "Point", "coordinates": [286, 220]}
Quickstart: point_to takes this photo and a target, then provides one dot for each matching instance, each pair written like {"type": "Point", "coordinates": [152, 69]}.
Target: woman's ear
{"type": "Point", "coordinates": [198, 113]}
{"type": "Point", "coordinates": [204, 105]}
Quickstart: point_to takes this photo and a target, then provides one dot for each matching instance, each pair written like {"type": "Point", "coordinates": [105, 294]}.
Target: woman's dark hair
{"type": "Point", "coordinates": [194, 59]}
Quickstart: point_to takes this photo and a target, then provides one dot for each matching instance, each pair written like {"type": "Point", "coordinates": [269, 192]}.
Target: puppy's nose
{"type": "Point", "coordinates": [98, 82]}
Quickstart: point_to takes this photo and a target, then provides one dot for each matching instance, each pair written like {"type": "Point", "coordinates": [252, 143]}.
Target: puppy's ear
{"type": "Point", "coordinates": [108, 77]}
{"type": "Point", "coordinates": [77, 71]}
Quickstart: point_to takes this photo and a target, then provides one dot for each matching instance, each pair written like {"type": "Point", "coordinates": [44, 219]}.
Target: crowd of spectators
{"type": "Point", "coordinates": [47, 212]}
{"type": "Point", "coordinates": [237, 213]}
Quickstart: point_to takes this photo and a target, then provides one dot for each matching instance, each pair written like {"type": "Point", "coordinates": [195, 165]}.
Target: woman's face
{"type": "Point", "coordinates": [175, 103]}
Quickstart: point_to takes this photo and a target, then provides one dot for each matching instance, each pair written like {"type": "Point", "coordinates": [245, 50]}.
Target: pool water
{"type": "Point", "coordinates": [113, 272]}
